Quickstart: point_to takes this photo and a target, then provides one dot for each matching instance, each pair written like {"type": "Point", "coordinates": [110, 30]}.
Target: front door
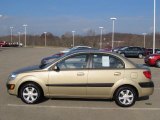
{"type": "Point", "coordinates": [70, 79]}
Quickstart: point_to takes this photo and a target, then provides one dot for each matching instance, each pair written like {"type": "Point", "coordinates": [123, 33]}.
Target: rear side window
{"type": "Point", "coordinates": [106, 61]}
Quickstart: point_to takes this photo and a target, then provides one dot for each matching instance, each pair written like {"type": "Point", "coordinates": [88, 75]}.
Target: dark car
{"type": "Point", "coordinates": [46, 60]}
{"type": "Point", "coordinates": [77, 48]}
{"type": "Point", "coordinates": [153, 60]}
{"type": "Point", "coordinates": [132, 52]}
{"type": "Point", "coordinates": [117, 48]}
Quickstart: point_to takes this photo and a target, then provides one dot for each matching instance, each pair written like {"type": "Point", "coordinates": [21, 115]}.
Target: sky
{"type": "Point", "coordinates": [62, 16]}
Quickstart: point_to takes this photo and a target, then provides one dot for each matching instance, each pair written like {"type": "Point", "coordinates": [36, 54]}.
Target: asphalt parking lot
{"type": "Point", "coordinates": [12, 108]}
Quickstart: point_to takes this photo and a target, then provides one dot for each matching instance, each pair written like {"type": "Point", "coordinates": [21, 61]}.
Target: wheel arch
{"type": "Point", "coordinates": [33, 82]}
{"type": "Point", "coordinates": [126, 85]}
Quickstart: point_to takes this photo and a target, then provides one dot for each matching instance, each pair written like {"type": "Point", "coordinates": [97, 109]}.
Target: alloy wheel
{"type": "Point", "coordinates": [126, 97]}
{"type": "Point", "coordinates": [30, 94]}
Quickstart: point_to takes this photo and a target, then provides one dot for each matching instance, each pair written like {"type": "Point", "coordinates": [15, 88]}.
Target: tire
{"type": "Point", "coordinates": [125, 97]}
{"type": "Point", "coordinates": [30, 93]}
{"type": "Point", "coordinates": [140, 56]}
{"type": "Point", "coordinates": [158, 63]}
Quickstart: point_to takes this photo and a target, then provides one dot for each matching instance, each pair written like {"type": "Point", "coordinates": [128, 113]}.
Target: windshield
{"type": "Point", "coordinates": [123, 48]}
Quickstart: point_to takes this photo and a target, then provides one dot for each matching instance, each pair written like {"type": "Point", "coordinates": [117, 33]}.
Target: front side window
{"type": "Point", "coordinates": [74, 62]}
{"type": "Point", "coordinates": [106, 61]}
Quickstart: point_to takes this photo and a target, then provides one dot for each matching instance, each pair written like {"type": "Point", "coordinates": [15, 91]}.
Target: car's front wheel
{"type": "Point", "coordinates": [140, 56]}
{"type": "Point", "coordinates": [125, 96]}
{"type": "Point", "coordinates": [30, 93]}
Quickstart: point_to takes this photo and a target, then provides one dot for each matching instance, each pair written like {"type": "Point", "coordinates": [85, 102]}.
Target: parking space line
{"type": "Point", "coordinates": [87, 108]}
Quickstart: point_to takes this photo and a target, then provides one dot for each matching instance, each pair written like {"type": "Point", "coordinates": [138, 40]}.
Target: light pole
{"type": "Point", "coordinates": [154, 29]}
{"type": "Point", "coordinates": [101, 28]}
{"type": "Point", "coordinates": [11, 33]}
{"type": "Point", "coordinates": [73, 37]}
{"type": "Point", "coordinates": [144, 39]}
{"type": "Point", "coordinates": [45, 34]}
{"type": "Point", "coordinates": [25, 29]}
{"type": "Point", "coordinates": [113, 19]}
{"type": "Point", "coordinates": [19, 35]}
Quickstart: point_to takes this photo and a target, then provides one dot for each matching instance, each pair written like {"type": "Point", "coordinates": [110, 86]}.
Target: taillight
{"type": "Point", "coordinates": [147, 74]}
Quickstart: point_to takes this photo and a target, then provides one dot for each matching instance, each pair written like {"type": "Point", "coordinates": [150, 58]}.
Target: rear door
{"type": "Point", "coordinates": [105, 71]}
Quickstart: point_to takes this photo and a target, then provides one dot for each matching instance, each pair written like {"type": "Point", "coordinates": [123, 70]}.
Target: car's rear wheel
{"type": "Point", "coordinates": [158, 63]}
{"type": "Point", "coordinates": [125, 96]}
{"type": "Point", "coordinates": [30, 93]}
{"type": "Point", "coordinates": [140, 56]}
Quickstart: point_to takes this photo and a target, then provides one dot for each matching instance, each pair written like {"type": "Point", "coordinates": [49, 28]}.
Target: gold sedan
{"type": "Point", "coordinates": [83, 74]}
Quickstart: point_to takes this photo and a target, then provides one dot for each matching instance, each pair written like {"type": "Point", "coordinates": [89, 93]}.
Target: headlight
{"type": "Point", "coordinates": [12, 76]}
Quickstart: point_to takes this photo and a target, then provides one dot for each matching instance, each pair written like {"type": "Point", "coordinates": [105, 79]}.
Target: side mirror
{"type": "Point", "coordinates": [55, 68]}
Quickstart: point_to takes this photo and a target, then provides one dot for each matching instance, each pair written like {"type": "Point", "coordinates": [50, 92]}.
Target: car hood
{"type": "Point", "coordinates": [27, 69]}
{"type": "Point", "coordinates": [65, 51]}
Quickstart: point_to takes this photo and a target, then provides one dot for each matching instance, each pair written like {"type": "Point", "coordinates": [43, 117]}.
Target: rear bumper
{"type": "Point", "coordinates": [147, 84]}
{"type": "Point", "coordinates": [147, 88]}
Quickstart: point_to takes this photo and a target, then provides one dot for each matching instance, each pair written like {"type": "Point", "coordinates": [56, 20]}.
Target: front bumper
{"type": "Point", "coordinates": [11, 88]}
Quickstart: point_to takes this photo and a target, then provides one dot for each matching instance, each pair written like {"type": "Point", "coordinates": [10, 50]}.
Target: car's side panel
{"type": "Point", "coordinates": [39, 78]}
{"type": "Point", "coordinates": [67, 83]}
{"type": "Point", "coordinates": [107, 78]}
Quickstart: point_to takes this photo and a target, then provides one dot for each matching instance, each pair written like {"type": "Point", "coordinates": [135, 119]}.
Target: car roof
{"type": "Point", "coordinates": [90, 51]}
{"type": "Point", "coordinates": [82, 46]}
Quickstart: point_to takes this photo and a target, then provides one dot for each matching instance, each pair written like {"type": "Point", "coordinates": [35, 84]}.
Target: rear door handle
{"type": "Point", "coordinates": [117, 74]}
{"type": "Point", "coordinates": [80, 74]}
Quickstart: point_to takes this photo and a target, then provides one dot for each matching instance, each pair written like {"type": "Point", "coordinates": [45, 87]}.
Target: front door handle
{"type": "Point", "coordinates": [80, 74]}
{"type": "Point", "coordinates": [117, 74]}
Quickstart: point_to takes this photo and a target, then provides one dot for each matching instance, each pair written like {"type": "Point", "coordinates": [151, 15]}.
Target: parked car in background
{"type": "Point", "coordinates": [76, 48]}
{"type": "Point", "coordinates": [132, 52]}
{"type": "Point", "coordinates": [4, 44]}
{"type": "Point", "coordinates": [9, 44]}
{"type": "Point", "coordinates": [49, 59]}
{"type": "Point", "coordinates": [153, 60]}
{"type": "Point", "coordinates": [150, 50]}
{"type": "Point", "coordinates": [83, 74]}
{"type": "Point", "coordinates": [117, 48]}
{"type": "Point", "coordinates": [106, 50]}
{"type": "Point", "coordinates": [14, 44]}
